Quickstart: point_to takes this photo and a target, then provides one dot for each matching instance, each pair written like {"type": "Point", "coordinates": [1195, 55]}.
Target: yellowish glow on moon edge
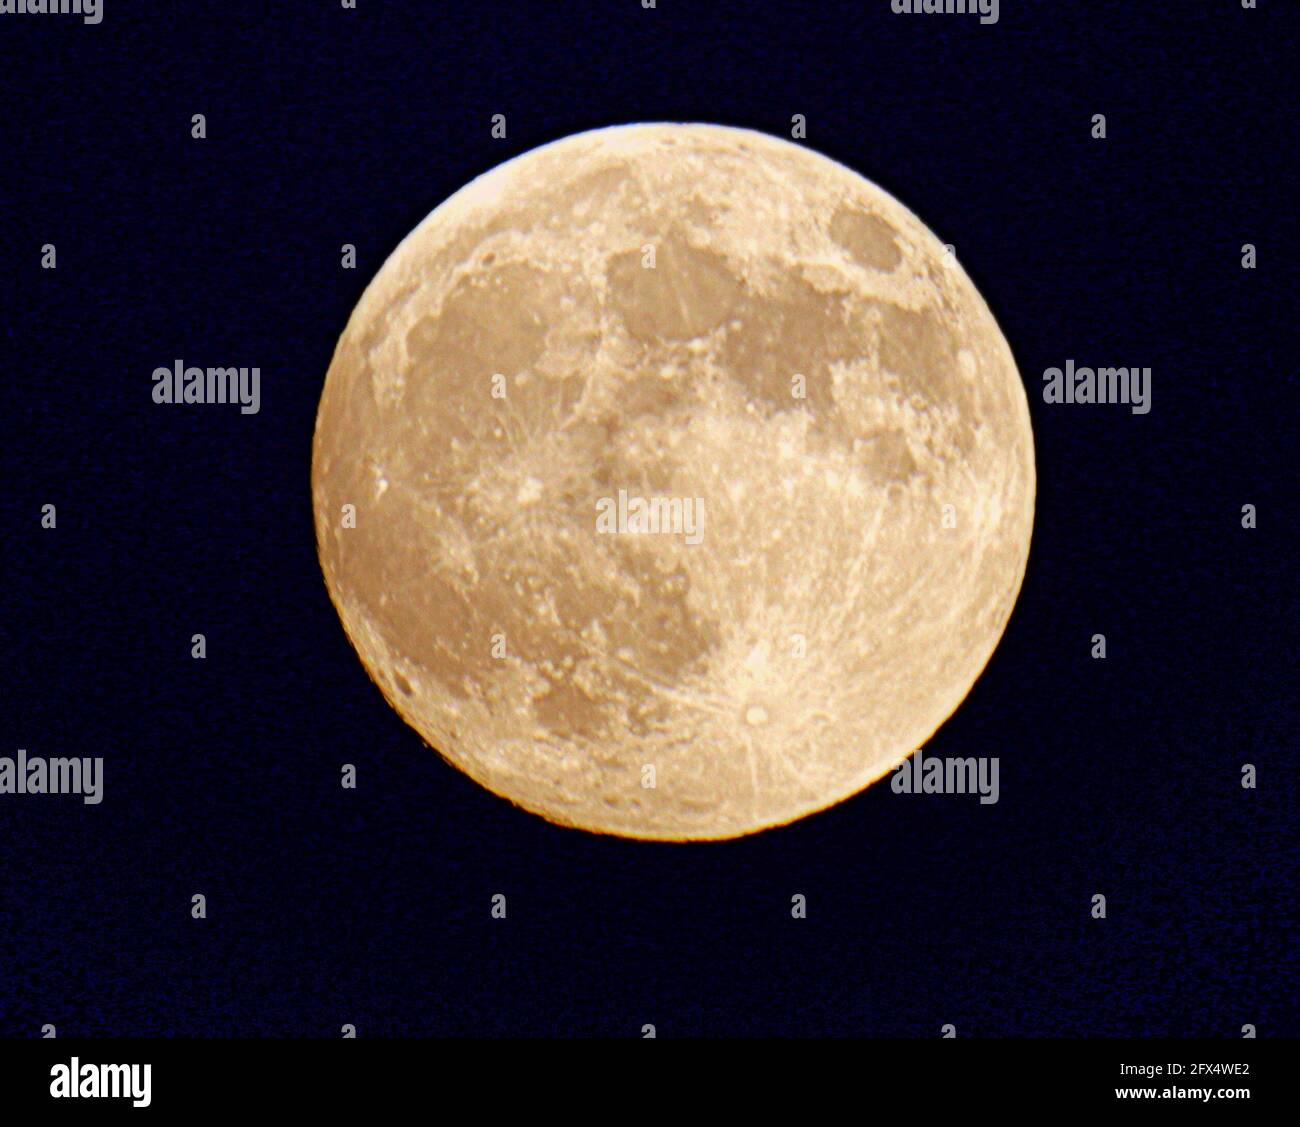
{"type": "Point", "coordinates": [773, 359]}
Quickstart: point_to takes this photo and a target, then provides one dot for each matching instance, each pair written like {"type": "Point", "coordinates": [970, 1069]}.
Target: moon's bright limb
{"type": "Point", "coordinates": [682, 313]}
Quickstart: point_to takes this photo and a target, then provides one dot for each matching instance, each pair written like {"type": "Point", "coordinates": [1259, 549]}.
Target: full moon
{"type": "Point", "coordinates": [673, 481]}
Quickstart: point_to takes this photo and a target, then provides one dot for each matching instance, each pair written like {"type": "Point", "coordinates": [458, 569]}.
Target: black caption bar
{"type": "Point", "coordinates": [337, 1076]}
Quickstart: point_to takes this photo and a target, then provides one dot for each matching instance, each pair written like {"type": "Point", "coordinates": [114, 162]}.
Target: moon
{"type": "Point", "coordinates": [673, 481]}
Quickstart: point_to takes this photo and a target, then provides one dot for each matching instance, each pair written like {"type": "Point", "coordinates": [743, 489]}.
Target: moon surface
{"type": "Point", "coordinates": [672, 481]}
